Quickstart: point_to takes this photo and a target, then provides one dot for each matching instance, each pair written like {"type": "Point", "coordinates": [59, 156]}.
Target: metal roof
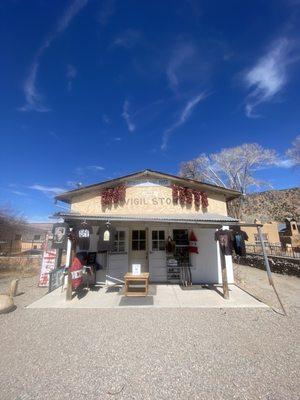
{"type": "Point", "coordinates": [206, 218]}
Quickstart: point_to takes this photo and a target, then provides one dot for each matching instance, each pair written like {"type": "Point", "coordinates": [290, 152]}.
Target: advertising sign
{"type": "Point", "coordinates": [48, 265]}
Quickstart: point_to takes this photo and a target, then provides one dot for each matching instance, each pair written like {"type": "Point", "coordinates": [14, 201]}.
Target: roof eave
{"type": "Point", "coordinates": [230, 194]}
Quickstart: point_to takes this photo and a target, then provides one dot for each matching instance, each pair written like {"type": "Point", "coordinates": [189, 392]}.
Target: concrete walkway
{"type": "Point", "coordinates": [160, 296]}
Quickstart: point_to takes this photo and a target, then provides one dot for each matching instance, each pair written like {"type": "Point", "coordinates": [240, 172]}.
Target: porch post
{"type": "Point", "coordinates": [267, 265]}
{"type": "Point", "coordinates": [224, 274]}
{"type": "Point", "coordinates": [68, 263]}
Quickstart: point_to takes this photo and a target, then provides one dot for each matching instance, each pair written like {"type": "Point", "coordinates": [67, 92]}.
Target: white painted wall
{"type": "Point", "coordinates": [206, 266]}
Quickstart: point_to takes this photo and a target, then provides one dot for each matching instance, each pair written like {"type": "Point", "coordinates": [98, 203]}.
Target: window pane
{"type": "Point", "coordinates": [122, 246]}
{"type": "Point", "coordinates": [135, 235]}
{"type": "Point", "coordinates": [162, 245]}
{"type": "Point", "coordinates": [155, 245]}
{"type": "Point", "coordinates": [142, 245]}
{"type": "Point", "coordinates": [154, 235]}
{"type": "Point", "coordinates": [122, 235]}
{"type": "Point", "coordinates": [115, 248]}
{"type": "Point", "coordinates": [161, 235]}
{"type": "Point", "coordinates": [135, 245]}
{"type": "Point", "coordinates": [142, 235]}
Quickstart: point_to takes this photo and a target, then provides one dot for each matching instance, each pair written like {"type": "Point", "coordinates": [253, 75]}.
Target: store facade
{"type": "Point", "coordinates": [160, 223]}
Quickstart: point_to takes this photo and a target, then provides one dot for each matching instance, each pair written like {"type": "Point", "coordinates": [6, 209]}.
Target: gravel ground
{"type": "Point", "coordinates": [148, 353]}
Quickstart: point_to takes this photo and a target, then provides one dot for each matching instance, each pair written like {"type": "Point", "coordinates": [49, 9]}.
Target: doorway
{"type": "Point", "coordinates": [139, 249]}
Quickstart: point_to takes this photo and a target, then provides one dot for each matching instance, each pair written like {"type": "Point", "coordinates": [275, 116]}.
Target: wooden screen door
{"type": "Point", "coordinates": [139, 249]}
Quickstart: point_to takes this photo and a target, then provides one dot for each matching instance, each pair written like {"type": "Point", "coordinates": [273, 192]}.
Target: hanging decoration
{"type": "Point", "coordinates": [175, 194]}
{"type": "Point", "coordinates": [193, 246]}
{"type": "Point", "coordinates": [188, 196]}
{"type": "Point", "coordinates": [185, 196]}
{"type": "Point", "coordinates": [204, 200]}
{"type": "Point", "coordinates": [114, 195]}
{"type": "Point", "coordinates": [197, 198]}
{"type": "Point", "coordinates": [181, 195]}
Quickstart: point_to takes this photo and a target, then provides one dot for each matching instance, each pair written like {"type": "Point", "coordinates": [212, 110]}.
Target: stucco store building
{"type": "Point", "coordinates": [146, 209]}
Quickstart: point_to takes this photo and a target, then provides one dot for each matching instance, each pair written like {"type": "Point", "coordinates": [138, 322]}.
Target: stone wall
{"type": "Point", "coordinates": [280, 265]}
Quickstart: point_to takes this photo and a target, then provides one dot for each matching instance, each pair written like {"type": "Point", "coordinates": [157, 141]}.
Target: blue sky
{"type": "Point", "coordinates": [91, 90]}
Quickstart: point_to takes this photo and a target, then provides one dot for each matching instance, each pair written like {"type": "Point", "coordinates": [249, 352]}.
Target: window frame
{"type": "Point", "coordinates": [158, 240]}
{"type": "Point", "coordinates": [138, 240]}
{"type": "Point", "coordinates": [265, 238]}
{"type": "Point", "coordinates": [118, 241]}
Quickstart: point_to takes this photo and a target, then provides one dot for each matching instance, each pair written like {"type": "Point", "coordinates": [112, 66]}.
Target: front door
{"type": "Point", "coordinates": [157, 254]}
{"type": "Point", "coordinates": [139, 249]}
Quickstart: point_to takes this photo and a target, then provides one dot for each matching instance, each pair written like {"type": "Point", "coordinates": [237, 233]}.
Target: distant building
{"type": "Point", "coordinates": [269, 232]}
{"type": "Point", "coordinates": [289, 234]}
{"type": "Point", "coordinates": [24, 238]}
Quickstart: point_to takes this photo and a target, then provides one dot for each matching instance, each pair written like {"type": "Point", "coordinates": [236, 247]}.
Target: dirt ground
{"type": "Point", "coordinates": [207, 354]}
{"type": "Point", "coordinates": [255, 281]}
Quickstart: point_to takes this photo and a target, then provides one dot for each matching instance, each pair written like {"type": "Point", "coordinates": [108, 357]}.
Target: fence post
{"type": "Point", "coordinates": [268, 269]}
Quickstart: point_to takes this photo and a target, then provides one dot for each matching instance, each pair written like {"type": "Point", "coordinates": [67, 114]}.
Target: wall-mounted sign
{"type": "Point", "coordinates": [147, 201]}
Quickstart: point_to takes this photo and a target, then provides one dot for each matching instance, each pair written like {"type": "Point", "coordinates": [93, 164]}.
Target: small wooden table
{"type": "Point", "coordinates": [142, 280]}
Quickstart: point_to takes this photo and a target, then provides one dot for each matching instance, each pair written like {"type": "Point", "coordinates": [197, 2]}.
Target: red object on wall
{"type": "Point", "coordinates": [76, 273]}
{"type": "Point", "coordinates": [204, 200]}
{"type": "Point", "coordinates": [193, 247]}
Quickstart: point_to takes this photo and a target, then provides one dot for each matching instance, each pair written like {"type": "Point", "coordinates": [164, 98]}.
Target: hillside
{"type": "Point", "coordinates": [273, 205]}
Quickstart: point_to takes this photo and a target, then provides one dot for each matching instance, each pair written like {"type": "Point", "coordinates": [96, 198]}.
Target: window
{"type": "Point", "coordinates": [181, 237]}
{"type": "Point", "coordinates": [36, 237]}
{"type": "Point", "coordinates": [158, 240]}
{"type": "Point", "coordinates": [119, 243]}
{"type": "Point", "coordinates": [18, 237]}
{"type": "Point", "coordinates": [138, 240]}
{"type": "Point", "coordinates": [264, 237]}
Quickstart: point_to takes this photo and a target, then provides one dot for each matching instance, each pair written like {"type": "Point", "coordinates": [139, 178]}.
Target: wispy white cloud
{"type": "Point", "coordinates": [108, 8]}
{"type": "Point", "coordinates": [285, 163]}
{"type": "Point", "coordinates": [105, 119]}
{"type": "Point", "coordinates": [93, 168]}
{"type": "Point", "coordinates": [47, 189]}
{"type": "Point", "coordinates": [269, 75]}
{"type": "Point", "coordinates": [32, 96]}
{"type": "Point", "coordinates": [54, 135]}
{"type": "Point", "coordinates": [182, 54]}
{"type": "Point", "coordinates": [33, 99]}
{"type": "Point", "coordinates": [183, 117]}
{"type": "Point", "coordinates": [127, 39]}
{"type": "Point", "coordinates": [127, 117]}
{"type": "Point", "coordinates": [71, 74]}
{"type": "Point", "coordinates": [18, 193]}
{"type": "Point", "coordinates": [117, 139]}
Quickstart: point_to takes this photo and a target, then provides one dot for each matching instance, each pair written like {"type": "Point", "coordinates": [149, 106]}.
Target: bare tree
{"type": "Point", "coordinates": [11, 223]}
{"type": "Point", "coordinates": [294, 152]}
{"type": "Point", "coordinates": [232, 168]}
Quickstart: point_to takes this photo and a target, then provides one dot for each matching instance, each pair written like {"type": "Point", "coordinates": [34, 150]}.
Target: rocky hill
{"type": "Point", "coordinates": [272, 205]}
